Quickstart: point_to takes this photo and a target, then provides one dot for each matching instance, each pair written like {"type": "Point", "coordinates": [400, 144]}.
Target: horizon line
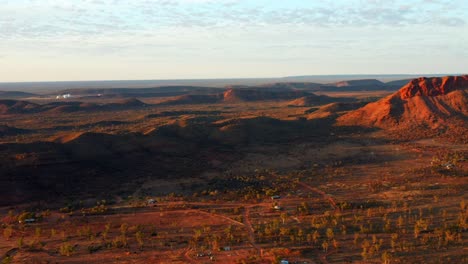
{"type": "Point", "coordinates": [240, 78]}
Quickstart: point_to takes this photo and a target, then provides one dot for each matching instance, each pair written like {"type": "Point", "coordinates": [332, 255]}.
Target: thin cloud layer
{"type": "Point", "coordinates": [101, 39]}
{"type": "Point", "coordinates": [35, 19]}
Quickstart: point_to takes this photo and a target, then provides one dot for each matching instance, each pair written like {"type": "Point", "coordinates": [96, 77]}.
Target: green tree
{"type": "Point", "coordinates": [139, 239]}
{"type": "Point", "coordinates": [330, 234]}
{"type": "Point", "coordinates": [284, 217]}
{"type": "Point", "coordinates": [20, 242]}
{"type": "Point", "coordinates": [325, 246]}
{"type": "Point", "coordinates": [66, 249]}
{"type": "Point", "coordinates": [386, 257]}
{"type": "Point", "coordinates": [315, 236]}
{"type": "Point", "coordinates": [8, 232]}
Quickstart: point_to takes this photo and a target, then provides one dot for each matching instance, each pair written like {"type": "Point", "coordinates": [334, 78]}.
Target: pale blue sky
{"type": "Point", "coordinates": [48, 40]}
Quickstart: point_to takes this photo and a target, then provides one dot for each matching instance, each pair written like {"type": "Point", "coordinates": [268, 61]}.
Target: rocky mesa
{"type": "Point", "coordinates": [423, 102]}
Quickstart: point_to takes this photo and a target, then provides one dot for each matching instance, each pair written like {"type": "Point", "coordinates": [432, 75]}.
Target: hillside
{"type": "Point", "coordinates": [333, 109]}
{"type": "Point", "coordinates": [24, 107]}
{"type": "Point", "coordinates": [235, 95]}
{"type": "Point", "coordinates": [15, 94]}
{"type": "Point", "coordinates": [292, 85]}
{"type": "Point", "coordinates": [364, 82]}
{"type": "Point", "coordinates": [398, 83]}
{"type": "Point", "coordinates": [312, 99]}
{"type": "Point", "coordinates": [193, 99]}
{"type": "Point", "coordinates": [423, 102]}
{"type": "Point", "coordinates": [17, 107]}
{"type": "Point", "coordinates": [11, 131]}
{"type": "Point", "coordinates": [261, 94]}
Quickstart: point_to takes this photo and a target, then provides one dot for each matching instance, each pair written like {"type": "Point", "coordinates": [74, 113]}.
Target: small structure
{"type": "Point", "coordinates": [275, 197]}
{"type": "Point", "coordinates": [226, 248]}
{"type": "Point", "coordinates": [277, 207]}
{"type": "Point", "coordinates": [63, 96]}
{"type": "Point", "coordinates": [449, 166]}
{"type": "Point", "coordinates": [151, 201]}
{"type": "Point", "coordinates": [203, 254]}
{"type": "Point", "coordinates": [283, 261]}
{"type": "Point", "coordinates": [27, 221]}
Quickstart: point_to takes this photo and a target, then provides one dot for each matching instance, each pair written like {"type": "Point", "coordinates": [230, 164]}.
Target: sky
{"type": "Point", "coordinates": [60, 40]}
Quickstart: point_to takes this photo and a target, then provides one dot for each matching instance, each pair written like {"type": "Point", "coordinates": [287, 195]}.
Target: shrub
{"type": "Point", "coordinates": [7, 232]}
{"type": "Point", "coordinates": [66, 249]}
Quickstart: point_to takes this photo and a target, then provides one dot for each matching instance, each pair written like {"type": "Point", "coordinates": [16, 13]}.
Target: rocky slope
{"type": "Point", "coordinates": [423, 102]}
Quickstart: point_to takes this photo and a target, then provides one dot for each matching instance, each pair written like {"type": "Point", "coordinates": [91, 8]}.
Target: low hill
{"type": "Point", "coordinates": [423, 102]}
{"type": "Point", "coordinates": [193, 99]}
{"type": "Point", "coordinates": [398, 83]}
{"type": "Point", "coordinates": [333, 109]}
{"type": "Point", "coordinates": [237, 132]}
{"type": "Point", "coordinates": [358, 85]}
{"type": "Point", "coordinates": [313, 99]}
{"type": "Point", "coordinates": [65, 137]}
{"type": "Point", "coordinates": [342, 86]}
{"type": "Point", "coordinates": [364, 82]}
{"type": "Point", "coordinates": [24, 107]}
{"type": "Point", "coordinates": [15, 94]}
{"type": "Point", "coordinates": [291, 86]}
{"type": "Point", "coordinates": [17, 107]}
{"type": "Point", "coordinates": [341, 107]}
{"type": "Point", "coordinates": [11, 131]}
{"type": "Point", "coordinates": [261, 94]}
{"type": "Point", "coordinates": [67, 107]}
{"type": "Point", "coordinates": [125, 103]}
{"type": "Point", "coordinates": [235, 95]}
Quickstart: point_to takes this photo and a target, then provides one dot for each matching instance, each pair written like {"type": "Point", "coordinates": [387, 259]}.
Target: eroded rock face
{"type": "Point", "coordinates": [433, 86]}
{"type": "Point", "coordinates": [429, 102]}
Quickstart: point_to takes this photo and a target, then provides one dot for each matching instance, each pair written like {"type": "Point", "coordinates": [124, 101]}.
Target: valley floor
{"type": "Point", "coordinates": [354, 200]}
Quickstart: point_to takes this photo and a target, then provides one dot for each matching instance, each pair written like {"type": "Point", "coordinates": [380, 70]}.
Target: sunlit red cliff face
{"type": "Point", "coordinates": [433, 86]}
{"type": "Point", "coordinates": [428, 102]}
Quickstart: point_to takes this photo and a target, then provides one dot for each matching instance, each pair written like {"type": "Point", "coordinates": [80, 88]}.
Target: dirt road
{"type": "Point", "coordinates": [323, 257]}
{"type": "Point", "coordinates": [322, 193]}
{"type": "Point", "coordinates": [250, 230]}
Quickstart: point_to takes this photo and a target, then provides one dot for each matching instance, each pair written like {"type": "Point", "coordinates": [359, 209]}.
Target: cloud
{"type": "Point", "coordinates": [88, 18]}
{"type": "Point", "coordinates": [175, 32]}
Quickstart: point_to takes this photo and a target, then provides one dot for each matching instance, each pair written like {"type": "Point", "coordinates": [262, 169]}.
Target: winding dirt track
{"type": "Point", "coordinates": [322, 193]}
{"type": "Point", "coordinates": [219, 216]}
{"type": "Point", "coordinates": [247, 224]}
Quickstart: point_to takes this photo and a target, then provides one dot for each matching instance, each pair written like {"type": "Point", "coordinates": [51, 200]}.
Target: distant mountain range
{"type": "Point", "coordinates": [47, 87]}
{"type": "Point", "coordinates": [301, 92]}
